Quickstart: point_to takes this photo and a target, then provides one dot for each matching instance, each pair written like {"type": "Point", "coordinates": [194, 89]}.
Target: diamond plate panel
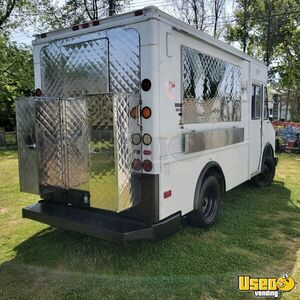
{"type": "Point", "coordinates": [50, 145]}
{"type": "Point", "coordinates": [28, 167]}
{"type": "Point", "coordinates": [51, 71]}
{"type": "Point", "coordinates": [211, 89]}
{"type": "Point", "coordinates": [85, 68]}
{"type": "Point", "coordinates": [124, 60]}
{"type": "Point", "coordinates": [83, 65]}
{"type": "Point", "coordinates": [76, 139]}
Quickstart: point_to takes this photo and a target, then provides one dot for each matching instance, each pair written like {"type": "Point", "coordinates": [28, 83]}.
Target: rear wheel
{"type": "Point", "coordinates": [267, 174]}
{"type": "Point", "coordinates": [206, 203]}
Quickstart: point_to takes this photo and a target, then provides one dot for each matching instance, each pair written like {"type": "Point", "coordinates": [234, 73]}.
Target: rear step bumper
{"type": "Point", "coordinates": [100, 223]}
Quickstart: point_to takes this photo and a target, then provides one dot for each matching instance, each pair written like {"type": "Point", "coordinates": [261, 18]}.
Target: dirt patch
{"type": "Point", "coordinates": [3, 210]}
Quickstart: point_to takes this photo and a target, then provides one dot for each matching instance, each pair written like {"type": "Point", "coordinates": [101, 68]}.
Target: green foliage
{"type": "Point", "coordinates": [53, 16]}
{"type": "Point", "coordinates": [270, 30]}
{"type": "Point", "coordinates": [16, 78]}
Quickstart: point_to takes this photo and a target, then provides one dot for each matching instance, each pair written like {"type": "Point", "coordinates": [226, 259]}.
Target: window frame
{"type": "Point", "coordinates": [254, 97]}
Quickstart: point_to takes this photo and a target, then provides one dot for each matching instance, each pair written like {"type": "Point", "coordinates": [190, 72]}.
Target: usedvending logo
{"type": "Point", "coordinates": [266, 286]}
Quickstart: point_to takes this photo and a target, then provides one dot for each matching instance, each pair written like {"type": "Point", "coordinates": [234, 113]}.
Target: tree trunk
{"type": "Point", "coordinates": [111, 7]}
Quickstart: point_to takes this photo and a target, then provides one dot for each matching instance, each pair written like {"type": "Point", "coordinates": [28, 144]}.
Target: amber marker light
{"type": "Point", "coordinates": [146, 112]}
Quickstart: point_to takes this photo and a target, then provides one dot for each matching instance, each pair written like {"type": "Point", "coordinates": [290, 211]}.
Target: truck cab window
{"type": "Point", "coordinates": [257, 93]}
{"type": "Point", "coordinates": [266, 108]}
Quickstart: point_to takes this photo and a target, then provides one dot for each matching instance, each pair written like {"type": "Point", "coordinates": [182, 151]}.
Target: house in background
{"type": "Point", "coordinates": [277, 105]}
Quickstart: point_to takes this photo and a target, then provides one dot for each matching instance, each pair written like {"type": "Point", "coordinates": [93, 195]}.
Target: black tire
{"type": "Point", "coordinates": [206, 203]}
{"type": "Point", "coordinates": [267, 174]}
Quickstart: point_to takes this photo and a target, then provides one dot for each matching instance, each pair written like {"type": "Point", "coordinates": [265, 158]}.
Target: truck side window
{"type": "Point", "coordinates": [257, 93]}
{"type": "Point", "coordinates": [266, 108]}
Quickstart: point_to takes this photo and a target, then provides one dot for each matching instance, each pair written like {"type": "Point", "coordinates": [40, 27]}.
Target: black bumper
{"type": "Point", "coordinates": [100, 223]}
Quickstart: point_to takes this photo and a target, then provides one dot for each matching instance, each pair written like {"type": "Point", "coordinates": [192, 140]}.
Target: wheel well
{"type": "Point", "coordinates": [268, 151]}
{"type": "Point", "coordinates": [212, 169]}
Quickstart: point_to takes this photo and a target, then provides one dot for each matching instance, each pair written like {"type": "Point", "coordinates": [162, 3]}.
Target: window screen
{"type": "Point", "coordinates": [211, 89]}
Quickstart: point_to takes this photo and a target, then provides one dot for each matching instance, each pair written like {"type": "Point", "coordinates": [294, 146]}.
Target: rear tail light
{"type": "Point", "coordinates": [146, 85]}
{"type": "Point", "coordinates": [38, 93]}
{"type": "Point", "coordinates": [167, 194]}
{"type": "Point", "coordinates": [146, 112]}
{"type": "Point", "coordinates": [147, 139]}
{"type": "Point", "coordinates": [136, 139]}
{"type": "Point", "coordinates": [147, 165]}
{"type": "Point", "coordinates": [136, 164]}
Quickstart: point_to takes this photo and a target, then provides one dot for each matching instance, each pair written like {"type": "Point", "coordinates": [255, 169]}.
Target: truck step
{"type": "Point", "coordinates": [102, 224]}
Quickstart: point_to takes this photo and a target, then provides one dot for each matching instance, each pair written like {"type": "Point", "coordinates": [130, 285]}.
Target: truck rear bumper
{"type": "Point", "coordinates": [100, 223]}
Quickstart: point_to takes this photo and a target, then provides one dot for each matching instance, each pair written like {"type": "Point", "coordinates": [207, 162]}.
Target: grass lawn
{"type": "Point", "coordinates": [257, 233]}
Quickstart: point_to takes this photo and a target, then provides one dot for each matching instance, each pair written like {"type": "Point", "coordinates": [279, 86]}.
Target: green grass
{"type": "Point", "coordinates": [257, 233]}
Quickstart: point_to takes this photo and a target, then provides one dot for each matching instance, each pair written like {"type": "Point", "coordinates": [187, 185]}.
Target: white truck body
{"type": "Point", "coordinates": [201, 115]}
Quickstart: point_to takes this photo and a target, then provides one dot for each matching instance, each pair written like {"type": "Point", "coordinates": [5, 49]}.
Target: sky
{"type": "Point", "coordinates": [26, 35]}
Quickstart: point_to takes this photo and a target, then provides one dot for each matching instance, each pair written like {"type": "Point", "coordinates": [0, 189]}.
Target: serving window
{"type": "Point", "coordinates": [211, 87]}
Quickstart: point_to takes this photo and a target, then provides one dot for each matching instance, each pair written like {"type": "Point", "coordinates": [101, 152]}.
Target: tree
{"type": "Point", "coordinates": [203, 15]}
{"type": "Point", "coordinates": [53, 16]}
{"type": "Point", "coordinates": [241, 29]}
{"type": "Point", "coordinates": [217, 11]}
{"type": "Point", "coordinates": [16, 78]}
{"type": "Point", "coordinates": [269, 29]}
{"type": "Point", "coordinates": [261, 26]}
{"type": "Point", "coordinates": [6, 8]}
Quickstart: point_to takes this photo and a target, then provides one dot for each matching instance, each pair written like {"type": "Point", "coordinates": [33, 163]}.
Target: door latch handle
{"type": "Point", "coordinates": [32, 146]}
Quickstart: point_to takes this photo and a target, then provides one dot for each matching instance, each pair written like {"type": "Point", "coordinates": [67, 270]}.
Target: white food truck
{"type": "Point", "coordinates": [137, 121]}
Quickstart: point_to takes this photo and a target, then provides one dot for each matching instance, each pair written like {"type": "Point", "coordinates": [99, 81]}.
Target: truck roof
{"type": "Point", "coordinates": [141, 15]}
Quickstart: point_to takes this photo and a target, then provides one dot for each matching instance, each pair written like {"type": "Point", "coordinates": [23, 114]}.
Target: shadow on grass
{"type": "Point", "coordinates": [254, 231]}
{"type": "Point", "coordinates": [6, 154]}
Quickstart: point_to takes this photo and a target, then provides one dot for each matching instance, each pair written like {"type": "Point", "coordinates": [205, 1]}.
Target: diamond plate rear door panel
{"type": "Point", "coordinates": [50, 145]}
{"type": "Point", "coordinates": [76, 140]}
{"type": "Point", "coordinates": [28, 156]}
{"type": "Point", "coordinates": [85, 67]}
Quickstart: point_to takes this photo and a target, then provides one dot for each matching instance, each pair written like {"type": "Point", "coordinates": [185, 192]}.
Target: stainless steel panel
{"type": "Point", "coordinates": [211, 89]}
{"type": "Point", "coordinates": [111, 183]}
{"type": "Point", "coordinates": [85, 68]}
{"type": "Point", "coordinates": [205, 140]}
{"type": "Point", "coordinates": [76, 141]}
{"type": "Point", "coordinates": [50, 146]}
{"type": "Point", "coordinates": [51, 71]}
{"type": "Point", "coordinates": [102, 168]}
{"type": "Point", "coordinates": [93, 63]}
{"type": "Point", "coordinates": [28, 166]}
{"type": "Point", "coordinates": [124, 60]}
{"type": "Point", "coordinates": [62, 143]}
{"type": "Point", "coordinates": [129, 190]}
{"type": "Point", "coordinates": [82, 144]}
